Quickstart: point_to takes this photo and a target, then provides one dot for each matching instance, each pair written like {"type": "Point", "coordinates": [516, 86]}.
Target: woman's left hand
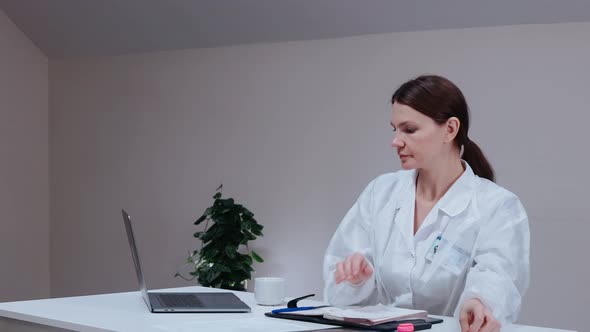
{"type": "Point", "coordinates": [475, 317]}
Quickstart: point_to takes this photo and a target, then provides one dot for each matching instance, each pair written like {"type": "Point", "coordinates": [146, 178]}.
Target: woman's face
{"type": "Point", "coordinates": [418, 140]}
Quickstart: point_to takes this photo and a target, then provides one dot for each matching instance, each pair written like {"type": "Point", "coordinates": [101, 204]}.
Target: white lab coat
{"type": "Point", "coordinates": [483, 252]}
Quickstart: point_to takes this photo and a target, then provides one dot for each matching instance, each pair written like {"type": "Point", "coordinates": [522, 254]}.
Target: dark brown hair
{"type": "Point", "coordinates": [440, 99]}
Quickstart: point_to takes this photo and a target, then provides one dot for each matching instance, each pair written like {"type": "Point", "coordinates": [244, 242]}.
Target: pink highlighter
{"type": "Point", "coordinates": [405, 327]}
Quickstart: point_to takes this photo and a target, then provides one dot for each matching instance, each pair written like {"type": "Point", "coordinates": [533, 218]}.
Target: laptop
{"type": "Point", "coordinates": [181, 302]}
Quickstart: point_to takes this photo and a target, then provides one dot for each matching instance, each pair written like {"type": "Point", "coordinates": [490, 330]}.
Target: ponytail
{"type": "Point", "coordinates": [473, 155]}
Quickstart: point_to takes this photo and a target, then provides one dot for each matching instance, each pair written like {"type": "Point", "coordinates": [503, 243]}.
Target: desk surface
{"type": "Point", "coordinates": [128, 312]}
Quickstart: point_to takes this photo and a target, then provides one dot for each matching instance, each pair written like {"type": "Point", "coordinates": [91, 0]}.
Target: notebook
{"type": "Point", "coordinates": [373, 315]}
{"type": "Point", "coordinates": [181, 302]}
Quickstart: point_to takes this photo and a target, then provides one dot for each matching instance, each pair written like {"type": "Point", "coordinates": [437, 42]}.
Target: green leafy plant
{"type": "Point", "coordinates": [224, 260]}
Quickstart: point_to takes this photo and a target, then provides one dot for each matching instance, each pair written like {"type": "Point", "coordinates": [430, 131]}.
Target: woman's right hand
{"type": "Point", "coordinates": [354, 269]}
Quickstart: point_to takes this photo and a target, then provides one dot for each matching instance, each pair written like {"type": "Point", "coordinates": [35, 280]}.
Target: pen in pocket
{"type": "Point", "coordinates": [436, 243]}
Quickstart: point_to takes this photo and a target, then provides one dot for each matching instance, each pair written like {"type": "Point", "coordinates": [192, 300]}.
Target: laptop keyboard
{"type": "Point", "coordinates": [180, 301]}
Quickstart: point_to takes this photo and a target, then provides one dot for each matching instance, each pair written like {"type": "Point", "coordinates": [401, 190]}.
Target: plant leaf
{"type": "Point", "coordinates": [247, 236]}
{"type": "Point", "coordinates": [228, 203]}
{"type": "Point", "coordinates": [201, 219]}
{"type": "Point", "coordinates": [217, 195]}
{"type": "Point", "coordinates": [212, 233]}
{"type": "Point", "coordinates": [209, 252]}
{"type": "Point", "coordinates": [256, 257]}
{"type": "Point", "coordinates": [230, 251]}
{"type": "Point", "coordinates": [257, 229]}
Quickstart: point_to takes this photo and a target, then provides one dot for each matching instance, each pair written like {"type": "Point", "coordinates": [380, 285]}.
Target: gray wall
{"type": "Point", "coordinates": [295, 131]}
{"type": "Point", "coordinates": [24, 167]}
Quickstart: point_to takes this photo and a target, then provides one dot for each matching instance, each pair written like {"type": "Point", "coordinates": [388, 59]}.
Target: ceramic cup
{"type": "Point", "coordinates": [269, 290]}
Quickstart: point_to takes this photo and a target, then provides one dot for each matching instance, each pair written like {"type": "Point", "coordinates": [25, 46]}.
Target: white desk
{"type": "Point", "coordinates": [128, 312]}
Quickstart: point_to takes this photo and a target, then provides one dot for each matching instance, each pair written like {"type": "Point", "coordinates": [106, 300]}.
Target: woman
{"type": "Point", "coordinates": [438, 235]}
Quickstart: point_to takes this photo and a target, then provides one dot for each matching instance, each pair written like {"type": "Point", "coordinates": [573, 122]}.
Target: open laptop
{"type": "Point", "coordinates": [181, 302]}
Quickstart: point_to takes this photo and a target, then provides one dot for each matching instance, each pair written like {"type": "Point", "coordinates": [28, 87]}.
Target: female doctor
{"type": "Point", "coordinates": [438, 235]}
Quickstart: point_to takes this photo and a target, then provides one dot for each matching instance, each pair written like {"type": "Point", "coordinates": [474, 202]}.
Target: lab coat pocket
{"type": "Point", "coordinates": [442, 268]}
{"type": "Point", "coordinates": [452, 255]}
{"type": "Point", "coordinates": [457, 252]}
{"type": "Point", "coordinates": [456, 259]}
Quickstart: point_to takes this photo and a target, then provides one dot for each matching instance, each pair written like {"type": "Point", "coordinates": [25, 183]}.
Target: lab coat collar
{"type": "Point", "coordinates": [458, 197]}
{"type": "Point", "coordinates": [455, 200]}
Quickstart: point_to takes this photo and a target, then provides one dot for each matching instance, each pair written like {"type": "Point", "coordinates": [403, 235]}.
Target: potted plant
{"type": "Point", "coordinates": [224, 260]}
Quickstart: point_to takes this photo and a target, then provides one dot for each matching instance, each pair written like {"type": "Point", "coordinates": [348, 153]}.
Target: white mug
{"type": "Point", "coordinates": [269, 290]}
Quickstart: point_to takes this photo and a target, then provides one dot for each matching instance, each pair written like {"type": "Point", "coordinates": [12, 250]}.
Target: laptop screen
{"type": "Point", "coordinates": [135, 256]}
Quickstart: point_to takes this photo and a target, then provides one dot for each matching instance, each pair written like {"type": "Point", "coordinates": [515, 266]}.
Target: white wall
{"type": "Point", "coordinates": [295, 131]}
{"type": "Point", "coordinates": [24, 167]}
